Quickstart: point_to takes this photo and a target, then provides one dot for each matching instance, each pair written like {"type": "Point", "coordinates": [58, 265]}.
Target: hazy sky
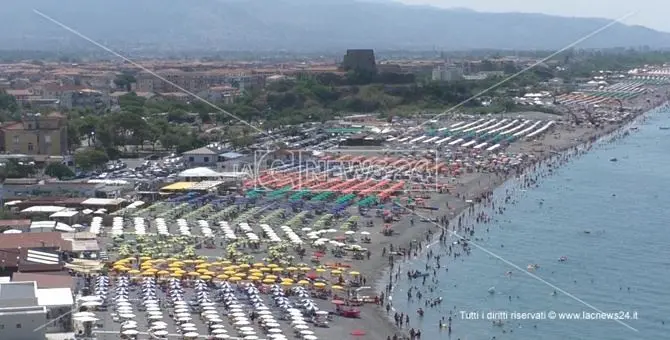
{"type": "Point", "coordinates": [650, 13]}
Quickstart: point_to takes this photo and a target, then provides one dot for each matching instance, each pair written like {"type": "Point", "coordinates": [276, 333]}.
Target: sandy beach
{"type": "Point", "coordinates": [376, 320]}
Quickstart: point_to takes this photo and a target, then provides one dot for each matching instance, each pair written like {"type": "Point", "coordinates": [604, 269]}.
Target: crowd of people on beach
{"type": "Point", "coordinates": [453, 237]}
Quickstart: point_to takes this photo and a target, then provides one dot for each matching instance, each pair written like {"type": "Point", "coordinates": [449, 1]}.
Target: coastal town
{"type": "Point", "coordinates": [264, 228]}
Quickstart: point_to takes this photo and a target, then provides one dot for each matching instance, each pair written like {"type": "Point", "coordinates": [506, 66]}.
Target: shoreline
{"type": "Point", "coordinates": [383, 273]}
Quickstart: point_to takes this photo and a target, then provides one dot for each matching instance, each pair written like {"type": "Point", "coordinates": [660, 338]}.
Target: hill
{"type": "Point", "coordinates": [297, 25]}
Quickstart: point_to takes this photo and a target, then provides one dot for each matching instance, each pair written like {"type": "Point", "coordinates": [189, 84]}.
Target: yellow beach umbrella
{"type": "Point", "coordinates": [163, 272]}
{"type": "Point", "coordinates": [288, 280]}
{"type": "Point", "coordinates": [336, 272]}
{"type": "Point", "coordinates": [319, 285]}
{"type": "Point", "coordinates": [145, 258]}
{"type": "Point", "coordinates": [176, 275]}
{"type": "Point", "coordinates": [134, 271]}
{"type": "Point", "coordinates": [152, 270]}
{"type": "Point", "coordinates": [337, 287]}
{"type": "Point", "coordinates": [244, 266]}
{"type": "Point", "coordinates": [305, 269]}
{"type": "Point", "coordinates": [210, 273]}
{"type": "Point", "coordinates": [286, 284]}
{"type": "Point", "coordinates": [235, 279]}
{"type": "Point", "coordinates": [171, 259]}
{"type": "Point", "coordinates": [202, 265]}
{"type": "Point", "coordinates": [291, 269]}
{"type": "Point", "coordinates": [273, 265]}
{"type": "Point", "coordinates": [188, 261]}
{"type": "Point", "coordinates": [159, 260]}
{"type": "Point", "coordinates": [303, 282]}
{"type": "Point", "coordinates": [198, 261]}
{"type": "Point", "coordinates": [271, 277]}
{"type": "Point", "coordinates": [230, 272]}
{"type": "Point", "coordinates": [277, 270]}
{"type": "Point", "coordinates": [254, 278]}
{"type": "Point", "coordinates": [241, 274]}
{"type": "Point", "coordinates": [354, 273]}
{"type": "Point", "coordinates": [320, 270]}
{"type": "Point", "coordinates": [222, 277]}
{"type": "Point", "coordinates": [202, 270]}
{"type": "Point", "coordinates": [267, 281]}
{"type": "Point", "coordinates": [206, 277]}
{"type": "Point", "coordinates": [193, 274]}
{"type": "Point", "coordinates": [259, 265]}
{"type": "Point", "coordinates": [266, 269]}
{"type": "Point", "coordinates": [226, 263]}
{"type": "Point", "coordinates": [148, 273]}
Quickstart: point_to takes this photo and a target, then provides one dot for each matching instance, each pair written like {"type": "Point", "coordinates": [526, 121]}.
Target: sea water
{"type": "Point", "coordinates": [610, 219]}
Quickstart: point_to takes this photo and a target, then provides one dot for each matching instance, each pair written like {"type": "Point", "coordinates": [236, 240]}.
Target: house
{"type": "Point", "coordinates": [36, 134]}
{"type": "Point", "coordinates": [54, 292]}
{"type": "Point", "coordinates": [21, 95]}
{"type": "Point", "coordinates": [225, 94]}
{"type": "Point", "coordinates": [20, 312]}
{"type": "Point", "coordinates": [201, 157]}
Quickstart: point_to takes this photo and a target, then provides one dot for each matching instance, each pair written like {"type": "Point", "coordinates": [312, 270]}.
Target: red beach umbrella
{"type": "Point", "coordinates": [358, 332]}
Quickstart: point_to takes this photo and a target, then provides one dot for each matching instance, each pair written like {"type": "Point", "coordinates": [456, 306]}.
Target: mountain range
{"type": "Point", "coordinates": [298, 25]}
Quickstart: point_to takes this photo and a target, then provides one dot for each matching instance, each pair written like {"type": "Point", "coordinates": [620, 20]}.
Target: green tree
{"type": "Point", "coordinates": [90, 158]}
{"type": "Point", "coordinates": [58, 170]}
{"type": "Point", "coordinates": [125, 81]}
{"type": "Point", "coordinates": [16, 169]}
{"type": "Point", "coordinates": [241, 141]}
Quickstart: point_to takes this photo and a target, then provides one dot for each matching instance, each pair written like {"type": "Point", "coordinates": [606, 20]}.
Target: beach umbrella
{"type": "Point", "coordinates": [218, 331]}
{"type": "Point", "coordinates": [83, 314]}
{"type": "Point", "coordinates": [222, 336]}
{"type": "Point", "coordinates": [86, 319]}
{"type": "Point", "coordinates": [130, 332]}
{"type": "Point", "coordinates": [161, 333]}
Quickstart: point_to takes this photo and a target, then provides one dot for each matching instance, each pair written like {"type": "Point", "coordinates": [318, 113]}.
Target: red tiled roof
{"type": "Point", "coordinates": [9, 242]}
{"type": "Point", "coordinates": [14, 223]}
{"type": "Point", "coordinates": [59, 279]}
{"type": "Point", "coordinates": [13, 126]}
{"type": "Point", "coordinates": [63, 88]}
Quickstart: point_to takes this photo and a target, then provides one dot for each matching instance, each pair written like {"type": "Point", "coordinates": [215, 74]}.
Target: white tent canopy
{"type": "Point", "coordinates": [200, 172]}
